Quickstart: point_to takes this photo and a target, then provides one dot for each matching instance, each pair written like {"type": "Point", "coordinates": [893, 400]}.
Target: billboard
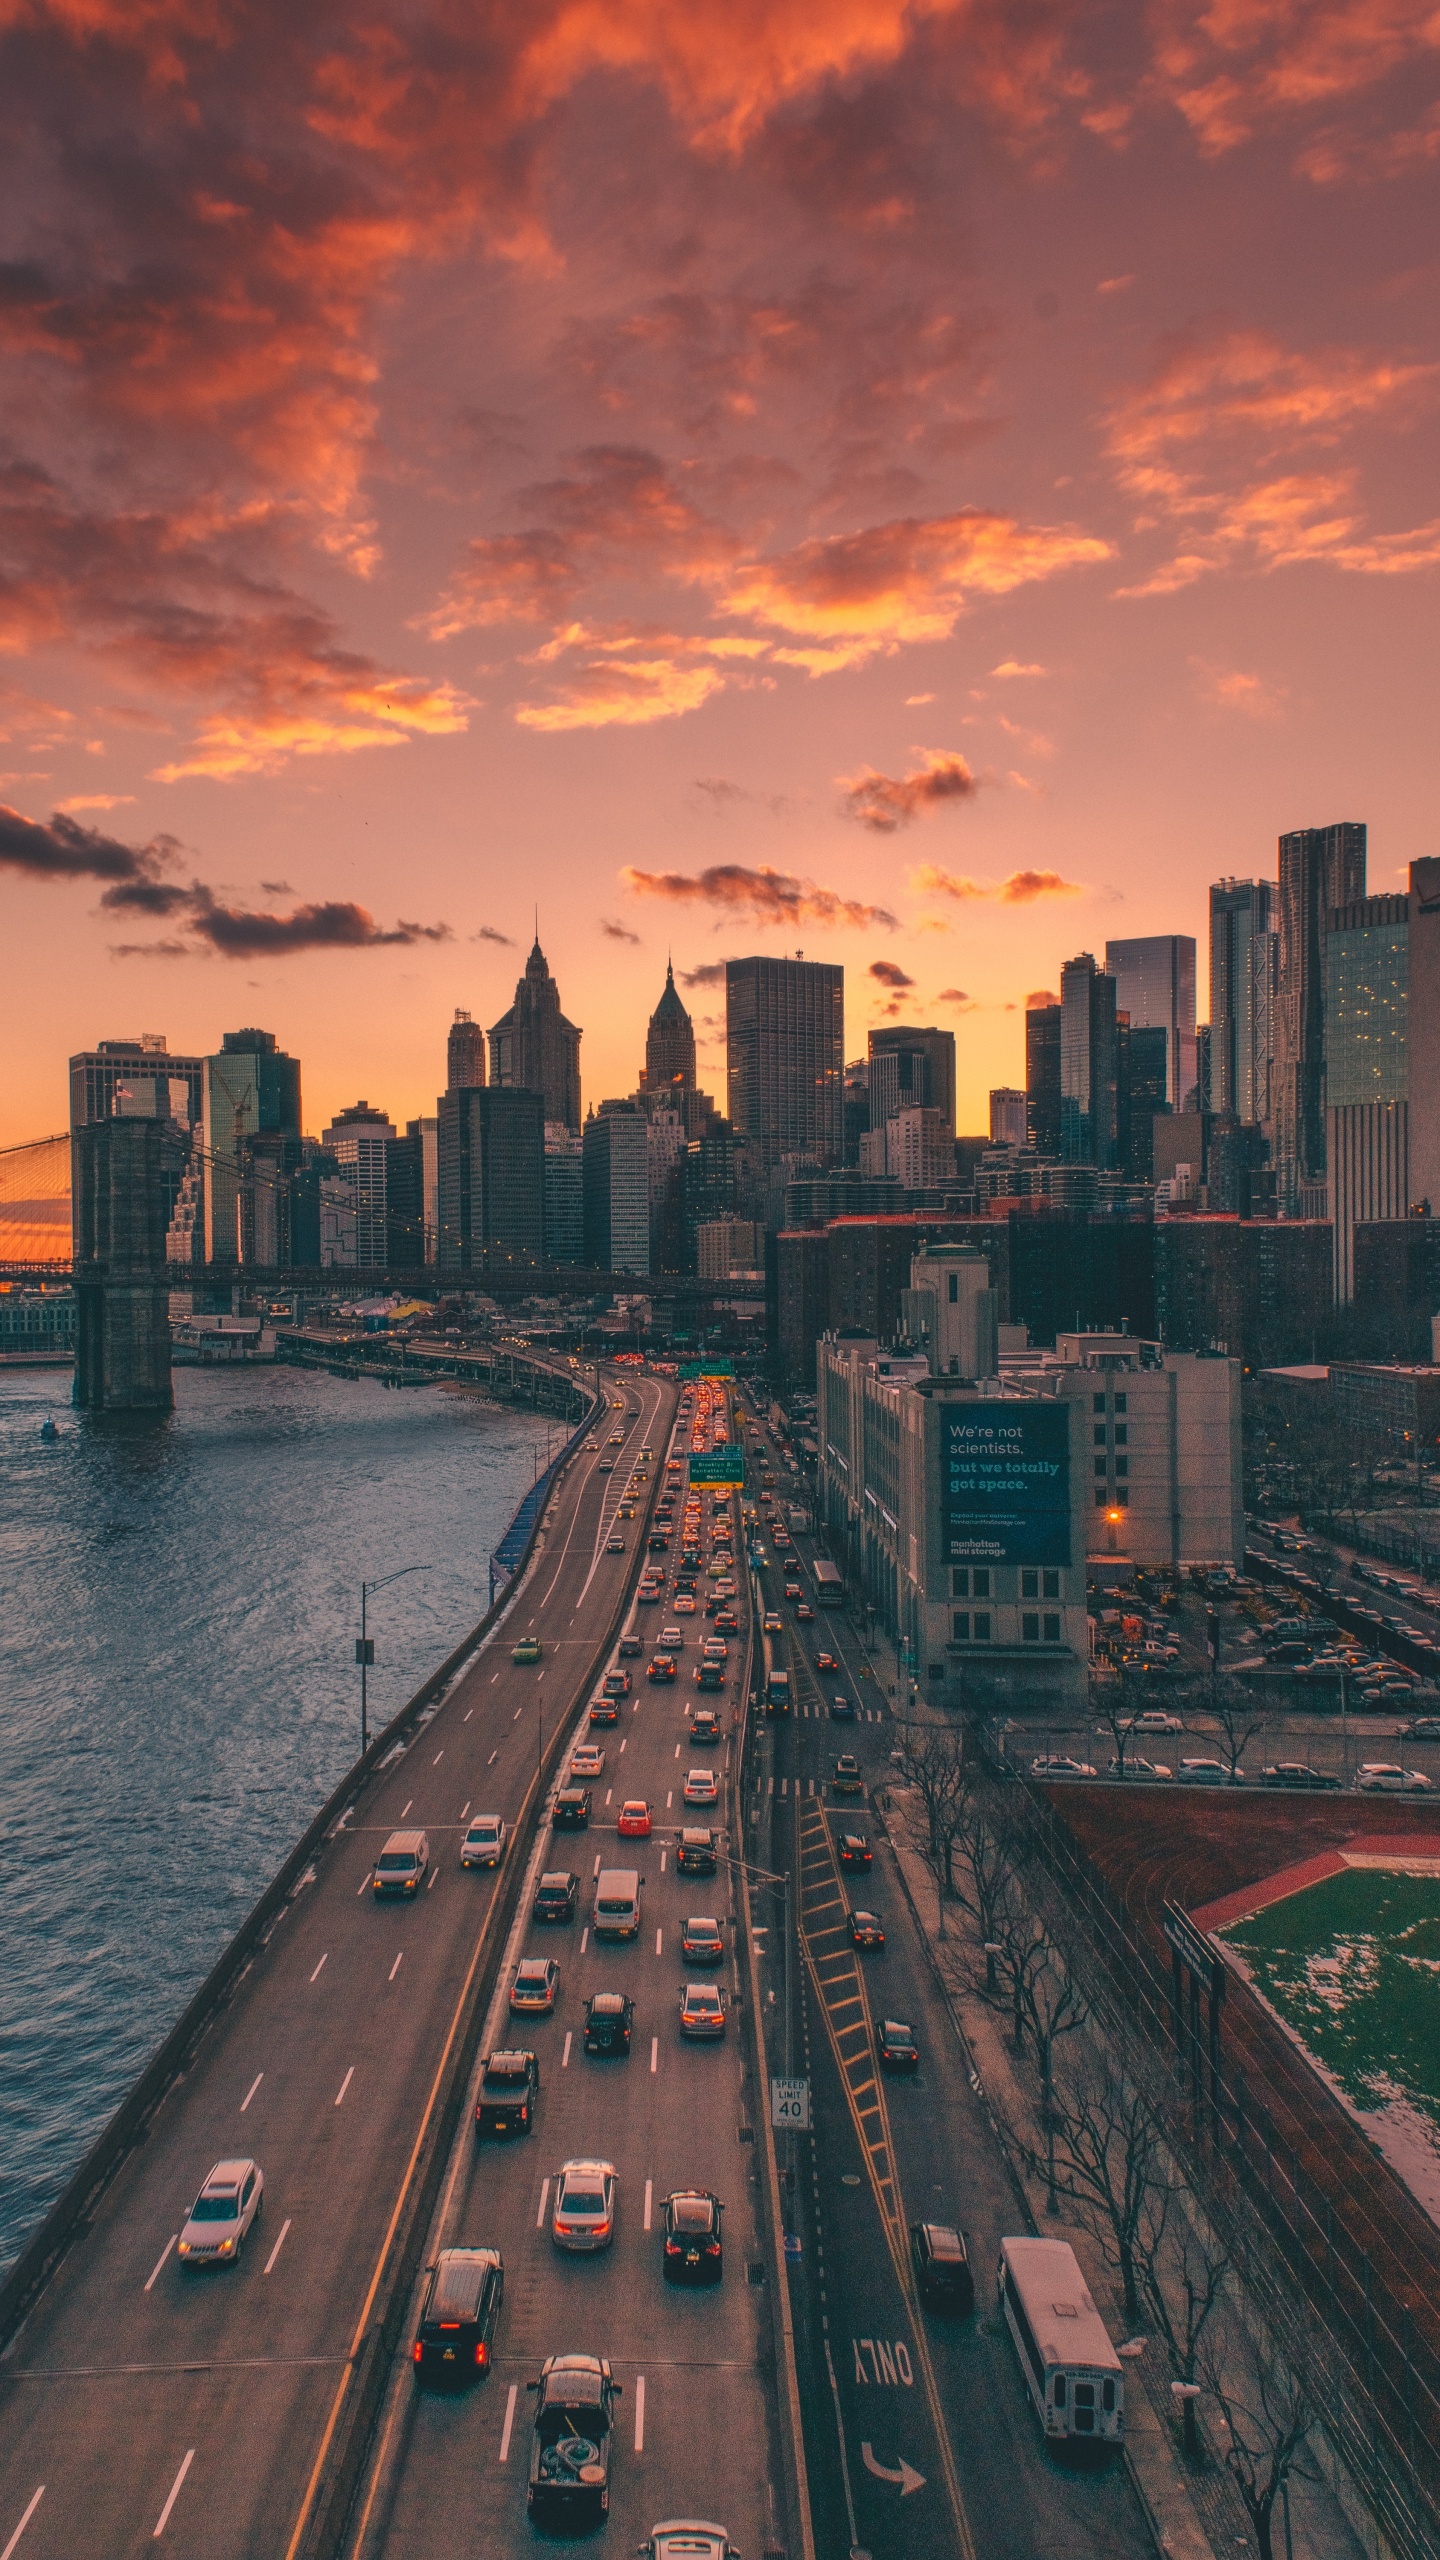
{"type": "Point", "coordinates": [1005, 1483]}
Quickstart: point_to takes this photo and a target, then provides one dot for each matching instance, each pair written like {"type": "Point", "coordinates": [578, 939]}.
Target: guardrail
{"type": "Point", "coordinates": [76, 2205]}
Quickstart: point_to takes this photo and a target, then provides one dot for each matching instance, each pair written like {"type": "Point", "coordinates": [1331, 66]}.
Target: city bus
{"type": "Point", "coordinates": [1071, 2370]}
{"type": "Point", "coordinates": [829, 1580]}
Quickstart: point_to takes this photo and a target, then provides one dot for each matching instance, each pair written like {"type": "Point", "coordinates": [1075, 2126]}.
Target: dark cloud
{"type": "Point", "coordinates": [775, 897]}
{"type": "Point", "coordinates": [884, 801]}
{"type": "Point", "coordinates": [61, 849]}
{"type": "Point", "coordinates": [956, 995]}
{"type": "Point", "coordinates": [1039, 996]}
{"type": "Point", "coordinates": [277, 888]}
{"type": "Point", "coordinates": [617, 932]}
{"type": "Point", "coordinates": [711, 973]}
{"type": "Point", "coordinates": [488, 933]}
{"type": "Point", "coordinates": [335, 924]}
{"type": "Point", "coordinates": [888, 973]}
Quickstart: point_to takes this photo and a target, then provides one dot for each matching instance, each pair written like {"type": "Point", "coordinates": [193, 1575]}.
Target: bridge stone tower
{"type": "Point", "coordinates": [123, 1175]}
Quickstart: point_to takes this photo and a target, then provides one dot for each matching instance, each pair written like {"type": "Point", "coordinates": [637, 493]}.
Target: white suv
{"type": "Point", "coordinates": [218, 2223]}
{"type": "Point", "coordinates": [484, 1842]}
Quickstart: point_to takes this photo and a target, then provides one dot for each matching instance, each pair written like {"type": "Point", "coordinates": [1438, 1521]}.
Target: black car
{"type": "Point", "coordinates": [1295, 1773]}
{"type": "Point", "coordinates": [942, 2267]}
{"type": "Point", "coordinates": [570, 2446]}
{"type": "Point", "coordinates": [609, 2016]}
{"type": "Point", "coordinates": [509, 2087]}
{"type": "Point", "coordinates": [571, 1811]}
{"type": "Point", "coordinates": [557, 1897]}
{"type": "Point", "coordinates": [895, 2043]}
{"type": "Point", "coordinates": [695, 1855]}
{"type": "Point", "coordinates": [458, 2316]}
{"type": "Point", "coordinates": [693, 2252]}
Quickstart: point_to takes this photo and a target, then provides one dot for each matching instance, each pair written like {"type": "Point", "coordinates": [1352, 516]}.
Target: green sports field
{"type": "Point", "coordinates": [1352, 1965]}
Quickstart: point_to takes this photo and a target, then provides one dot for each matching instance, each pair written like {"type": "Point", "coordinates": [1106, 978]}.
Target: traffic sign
{"type": "Point", "coordinates": [718, 1466]}
{"type": "Point", "coordinates": [790, 2106]}
{"type": "Point", "coordinates": [707, 1367]}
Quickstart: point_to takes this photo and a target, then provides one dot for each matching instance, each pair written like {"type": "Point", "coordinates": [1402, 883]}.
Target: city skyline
{"type": "Point", "coordinates": [882, 533]}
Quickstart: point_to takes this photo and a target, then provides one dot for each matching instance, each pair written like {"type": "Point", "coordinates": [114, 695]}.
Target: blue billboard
{"type": "Point", "coordinates": [1005, 1483]}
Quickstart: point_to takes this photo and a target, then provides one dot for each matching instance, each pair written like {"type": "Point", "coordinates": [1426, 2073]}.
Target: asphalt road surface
{"type": "Point", "coordinates": [141, 2404]}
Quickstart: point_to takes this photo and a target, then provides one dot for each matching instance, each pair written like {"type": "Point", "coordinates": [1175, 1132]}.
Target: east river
{"type": "Point", "coordinates": [178, 1694]}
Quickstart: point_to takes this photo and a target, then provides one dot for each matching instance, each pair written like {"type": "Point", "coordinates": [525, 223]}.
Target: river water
{"type": "Point", "coordinates": [178, 1694]}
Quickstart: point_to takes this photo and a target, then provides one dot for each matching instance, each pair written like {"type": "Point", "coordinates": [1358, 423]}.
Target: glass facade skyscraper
{"type": "Point", "coordinates": [1154, 976]}
{"type": "Point", "coordinates": [785, 1056]}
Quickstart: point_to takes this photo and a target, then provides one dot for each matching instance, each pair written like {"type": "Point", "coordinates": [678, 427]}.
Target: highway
{"type": "Point", "coordinates": [141, 2404]}
{"type": "Point", "coordinates": [694, 2434]}
{"type": "Point", "coordinates": [895, 2396]}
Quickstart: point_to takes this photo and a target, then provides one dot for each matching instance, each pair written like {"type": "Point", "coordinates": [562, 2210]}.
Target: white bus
{"type": "Point", "coordinates": [1072, 2371]}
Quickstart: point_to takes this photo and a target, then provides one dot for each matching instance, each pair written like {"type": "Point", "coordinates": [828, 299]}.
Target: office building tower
{"type": "Point", "coordinates": [855, 1109]}
{"type": "Point", "coordinates": [1154, 978]}
{"type": "Point", "coordinates": [1243, 961]}
{"type": "Point", "coordinates": [492, 1179]}
{"type": "Point", "coordinates": [669, 1044]}
{"type": "Point", "coordinates": [534, 1048]}
{"type": "Point", "coordinates": [950, 1311]}
{"type": "Point", "coordinates": [785, 1052]}
{"type": "Point", "coordinates": [707, 1186]}
{"type": "Point", "coordinates": [1009, 1124]}
{"type": "Point", "coordinates": [1321, 868]}
{"type": "Point", "coordinates": [1042, 1077]}
{"type": "Point", "coordinates": [359, 1140]}
{"type": "Point", "coordinates": [1382, 1061]}
{"type": "Point", "coordinates": [1258, 1289]}
{"type": "Point", "coordinates": [726, 1245]}
{"type": "Point", "coordinates": [427, 1130]}
{"type": "Point", "coordinates": [122, 1078]}
{"type": "Point", "coordinates": [464, 1052]}
{"type": "Point", "coordinates": [564, 1196]}
{"type": "Point", "coordinates": [917, 1149]}
{"type": "Point", "coordinates": [405, 1201]}
{"type": "Point", "coordinates": [616, 1182]}
{"type": "Point", "coordinates": [1089, 1066]}
{"type": "Point", "coordinates": [250, 1086]}
{"type": "Point", "coordinates": [1142, 1065]}
{"type": "Point", "coordinates": [912, 1068]}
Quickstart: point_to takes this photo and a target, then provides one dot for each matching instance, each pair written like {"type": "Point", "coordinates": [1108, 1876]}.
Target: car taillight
{"type": "Point", "coordinates": [712, 2248]}
{"type": "Point", "coordinates": [419, 2351]}
{"type": "Point", "coordinates": [672, 2248]}
{"type": "Point", "coordinates": [482, 2353]}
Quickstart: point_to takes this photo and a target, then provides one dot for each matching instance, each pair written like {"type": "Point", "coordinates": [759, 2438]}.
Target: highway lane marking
{"type": "Point", "coordinates": [19, 2529]}
{"type": "Point", "coordinates": [197, 2364]}
{"type": "Point", "coordinates": [670, 1799]}
{"type": "Point", "coordinates": [175, 2488]}
{"type": "Point", "coordinates": [677, 1750]}
{"type": "Point", "coordinates": [464, 1809]}
{"type": "Point", "coordinates": [250, 2092]}
{"type": "Point", "coordinates": [585, 1932]}
{"type": "Point", "coordinates": [279, 2245]}
{"type": "Point", "coordinates": [639, 2412]}
{"type": "Point", "coordinates": [164, 2254]}
{"type": "Point", "coordinates": [494, 1676]}
{"type": "Point", "coordinates": [511, 2397]}
{"type": "Point", "coordinates": [467, 1715]}
{"type": "Point", "coordinates": [662, 1862]}
{"type": "Point", "coordinates": [565, 2056]}
{"type": "Point", "coordinates": [544, 2200]}
{"type": "Point", "coordinates": [345, 2083]}
{"type": "Point", "coordinates": [434, 1880]}
{"type": "Point", "coordinates": [317, 1972]}
{"type": "Point", "coordinates": [494, 1756]}
{"type": "Point", "coordinates": [609, 1793]}
{"type": "Point", "coordinates": [654, 2053]}
{"type": "Point", "coordinates": [659, 1940]}
{"type": "Point", "coordinates": [404, 1809]}
{"type": "Point", "coordinates": [649, 2192]}
{"type": "Point", "coordinates": [394, 1969]}
{"type": "Point", "coordinates": [597, 1866]}
{"type": "Point", "coordinates": [622, 1741]}
{"type": "Point", "coordinates": [439, 1756]}
{"type": "Point", "coordinates": [517, 1715]}
{"type": "Point", "coordinates": [363, 1883]}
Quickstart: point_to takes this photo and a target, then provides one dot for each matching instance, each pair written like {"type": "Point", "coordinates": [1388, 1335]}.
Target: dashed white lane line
{"type": "Point", "coordinates": [544, 2200]}
{"type": "Point", "coordinates": [467, 1715]}
{"type": "Point", "coordinates": [670, 1799]}
{"type": "Point", "coordinates": [494, 1676]}
{"type": "Point", "coordinates": [494, 1756]}
{"type": "Point", "coordinates": [394, 1969]}
{"type": "Point", "coordinates": [434, 1880]}
{"type": "Point", "coordinates": [250, 2092]}
{"type": "Point", "coordinates": [609, 1793]}
{"type": "Point", "coordinates": [465, 1809]}
{"type": "Point", "coordinates": [662, 1861]}
{"type": "Point", "coordinates": [585, 1932]}
{"type": "Point", "coordinates": [176, 2485]}
{"type": "Point", "coordinates": [279, 2245]}
{"type": "Point", "coordinates": [639, 2412]}
{"type": "Point", "coordinates": [597, 1866]}
{"type": "Point", "coordinates": [160, 2261]}
{"type": "Point", "coordinates": [677, 1750]}
{"type": "Point", "coordinates": [565, 2056]}
{"type": "Point", "coordinates": [19, 2529]}
{"type": "Point", "coordinates": [659, 1940]}
{"type": "Point", "coordinates": [404, 1809]}
{"type": "Point", "coordinates": [654, 2053]}
{"type": "Point", "coordinates": [510, 2399]}
{"type": "Point", "coordinates": [319, 1969]}
{"type": "Point", "coordinates": [622, 1741]}
{"type": "Point", "coordinates": [344, 2085]}
{"type": "Point", "coordinates": [439, 1756]}
{"type": "Point", "coordinates": [649, 2194]}
{"type": "Point", "coordinates": [517, 1715]}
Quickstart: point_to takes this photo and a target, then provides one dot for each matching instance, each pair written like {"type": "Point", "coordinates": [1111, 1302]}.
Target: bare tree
{"type": "Point", "coordinates": [1268, 2410]}
{"type": "Point", "coordinates": [1110, 2165]}
{"type": "Point", "coordinates": [1183, 2285]}
{"type": "Point", "coordinates": [984, 1886]}
{"type": "Point", "coordinates": [937, 1768]}
{"type": "Point", "coordinates": [1054, 2006]}
{"type": "Point", "coordinates": [1240, 1719]}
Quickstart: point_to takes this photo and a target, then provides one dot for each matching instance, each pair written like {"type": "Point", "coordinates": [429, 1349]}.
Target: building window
{"type": "Point", "coordinates": [1120, 1403]}
{"type": "Point", "coordinates": [1122, 1466]}
{"type": "Point", "coordinates": [1100, 1465]}
{"type": "Point", "coordinates": [982, 1626]}
{"type": "Point", "coordinates": [1099, 1404]}
{"type": "Point", "coordinates": [1122, 1434]}
{"type": "Point", "coordinates": [1052, 1626]}
{"type": "Point", "coordinates": [962, 1626]}
{"type": "Point", "coordinates": [1099, 1435]}
{"type": "Point", "coordinates": [960, 1582]}
{"type": "Point", "coordinates": [1030, 1627]}
{"type": "Point", "coordinates": [1101, 1498]}
{"type": "Point", "coordinates": [1030, 1584]}
{"type": "Point", "coordinates": [1122, 1494]}
{"type": "Point", "coordinates": [1050, 1589]}
{"type": "Point", "coordinates": [980, 1585]}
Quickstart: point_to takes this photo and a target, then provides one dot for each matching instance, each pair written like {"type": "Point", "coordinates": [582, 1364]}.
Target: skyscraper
{"type": "Point", "coordinates": [252, 1085]}
{"type": "Point", "coordinates": [1321, 868]}
{"type": "Point", "coordinates": [1008, 1123]}
{"type": "Point", "coordinates": [1367, 1086]}
{"type": "Point", "coordinates": [492, 1179]}
{"type": "Point", "coordinates": [1242, 997]}
{"type": "Point", "coordinates": [617, 1188]}
{"type": "Point", "coordinates": [535, 1048]}
{"type": "Point", "coordinates": [1089, 1065]}
{"type": "Point", "coordinates": [564, 1196]}
{"type": "Point", "coordinates": [669, 1043]}
{"type": "Point", "coordinates": [1042, 1077]}
{"type": "Point", "coordinates": [785, 1056]}
{"type": "Point", "coordinates": [922, 1075]}
{"type": "Point", "coordinates": [464, 1052]}
{"type": "Point", "coordinates": [359, 1138]}
{"type": "Point", "coordinates": [1154, 978]}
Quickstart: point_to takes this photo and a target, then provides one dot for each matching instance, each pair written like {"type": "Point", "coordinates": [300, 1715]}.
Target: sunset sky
{"type": "Point", "coordinates": [930, 486]}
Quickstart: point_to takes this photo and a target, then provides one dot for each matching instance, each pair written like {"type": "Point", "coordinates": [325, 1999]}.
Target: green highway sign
{"type": "Point", "coordinates": [718, 1466]}
{"type": "Point", "coordinates": [707, 1368]}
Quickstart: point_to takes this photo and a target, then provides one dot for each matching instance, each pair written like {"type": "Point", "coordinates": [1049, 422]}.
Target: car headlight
{"type": "Point", "coordinates": [184, 2249]}
{"type": "Point", "coordinates": [227, 2248]}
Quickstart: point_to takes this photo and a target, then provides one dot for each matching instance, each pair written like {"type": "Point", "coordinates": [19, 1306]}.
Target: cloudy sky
{"type": "Point", "coordinates": [926, 485]}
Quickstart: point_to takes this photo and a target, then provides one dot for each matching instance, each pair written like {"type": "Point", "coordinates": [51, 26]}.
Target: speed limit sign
{"type": "Point", "coordinates": [790, 2106]}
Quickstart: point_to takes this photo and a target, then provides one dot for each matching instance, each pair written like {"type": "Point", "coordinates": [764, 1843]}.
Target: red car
{"type": "Point", "coordinates": [634, 1822]}
{"type": "Point", "coordinates": [662, 1667]}
{"type": "Point", "coordinates": [826, 1662]}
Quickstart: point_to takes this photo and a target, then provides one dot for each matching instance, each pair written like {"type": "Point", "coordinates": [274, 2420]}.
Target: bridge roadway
{"type": "Point", "coordinates": [140, 2404]}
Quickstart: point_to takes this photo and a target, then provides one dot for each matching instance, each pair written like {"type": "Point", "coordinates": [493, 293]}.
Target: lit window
{"type": "Point", "coordinates": [1030, 1627]}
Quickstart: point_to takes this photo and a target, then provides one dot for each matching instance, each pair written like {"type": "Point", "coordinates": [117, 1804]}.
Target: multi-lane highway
{"type": "Point", "coordinates": [140, 2403]}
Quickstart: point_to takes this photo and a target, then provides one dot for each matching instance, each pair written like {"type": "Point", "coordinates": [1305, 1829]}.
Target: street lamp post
{"type": "Point", "coordinates": [365, 1642]}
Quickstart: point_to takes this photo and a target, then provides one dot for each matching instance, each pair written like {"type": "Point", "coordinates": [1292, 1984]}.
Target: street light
{"type": "Point", "coordinates": [365, 1643]}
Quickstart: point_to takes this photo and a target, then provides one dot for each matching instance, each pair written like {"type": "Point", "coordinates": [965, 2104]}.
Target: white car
{"type": "Point", "coordinates": [701, 1787]}
{"type": "Point", "coordinates": [672, 1639]}
{"type": "Point", "coordinates": [686, 2538]}
{"type": "Point", "coordinates": [1056, 1764]}
{"type": "Point", "coordinates": [584, 2211]}
{"type": "Point", "coordinates": [218, 2223]}
{"type": "Point", "coordinates": [1208, 1773]}
{"type": "Point", "coordinates": [587, 1760]}
{"type": "Point", "coordinates": [1133, 1766]}
{"type": "Point", "coordinates": [1154, 1720]}
{"type": "Point", "coordinates": [484, 1842]}
{"type": "Point", "coordinates": [1387, 1778]}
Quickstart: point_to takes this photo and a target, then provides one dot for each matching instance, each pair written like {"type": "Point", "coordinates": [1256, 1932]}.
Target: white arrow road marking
{"type": "Point", "coordinates": [905, 2478]}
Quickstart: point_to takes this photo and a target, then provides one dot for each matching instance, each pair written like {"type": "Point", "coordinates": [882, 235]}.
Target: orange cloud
{"type": "Point", "coordinates": [883, 802]}
{"type": "Point", "coordinates": [1231, 689]}
{"type": "Point", "coordinates": [623, 692]}
{"type": "Point", "coordinates": [774, 897]}
{"type": "Point", "coordinates": [1233, 71]}
{"type": "Point", "coordinates": [1021, 889]}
